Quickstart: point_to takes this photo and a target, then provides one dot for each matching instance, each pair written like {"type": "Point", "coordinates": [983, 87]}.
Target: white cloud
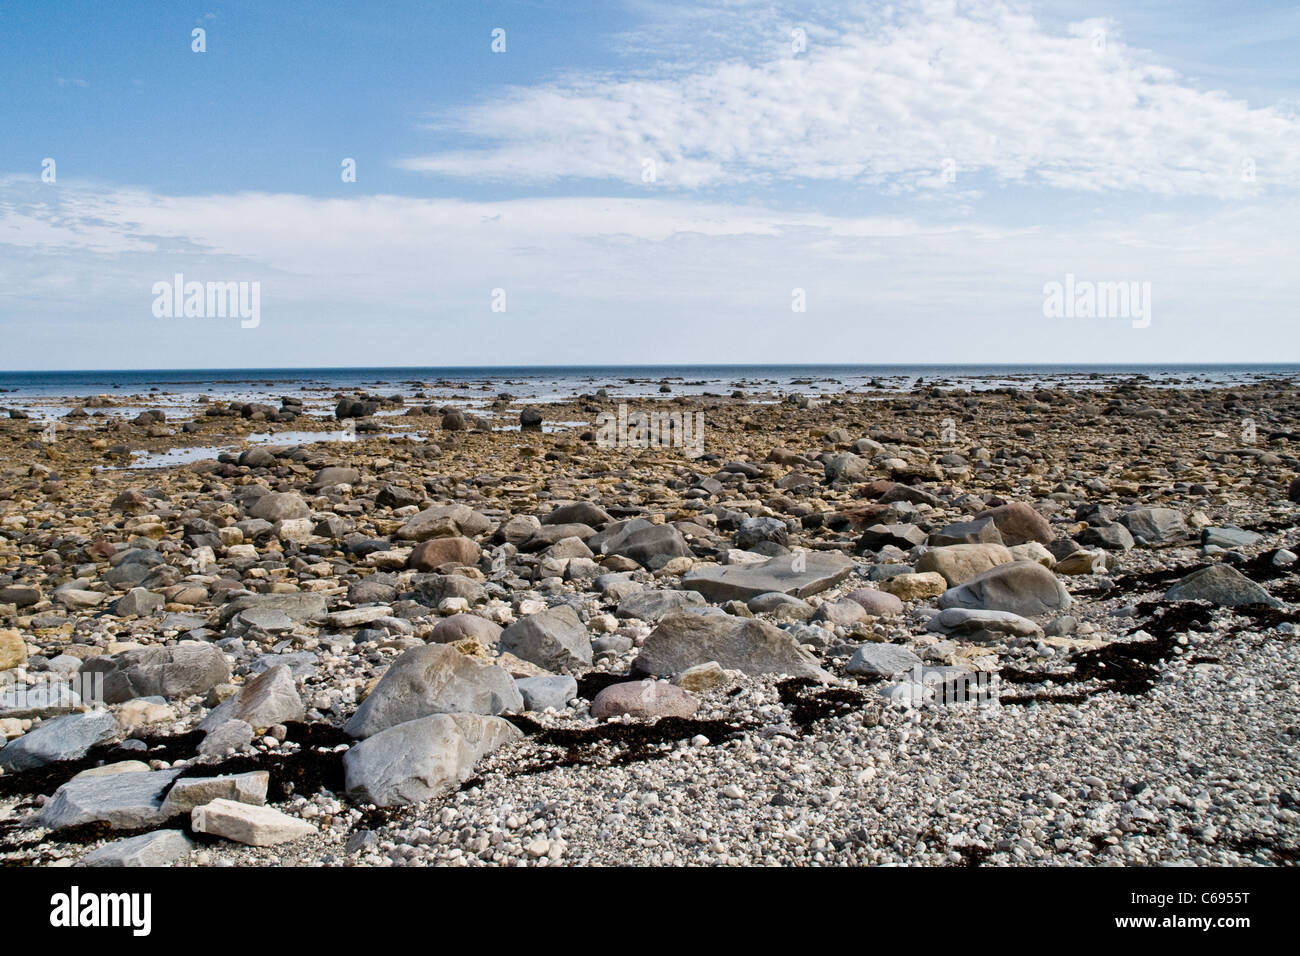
{"type": "Point", "coordinates": [884, 99]}
{"type": "Point", "coordinates": [393, 280]}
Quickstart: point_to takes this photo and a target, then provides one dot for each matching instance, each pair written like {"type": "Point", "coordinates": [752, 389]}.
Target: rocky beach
{"type": "Point", "coordinates": [946, 624]}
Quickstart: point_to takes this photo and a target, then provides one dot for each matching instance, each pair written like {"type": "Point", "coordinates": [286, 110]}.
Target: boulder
{"type": "Point", "coordinates": [684, 639]}
{"type": "Point", "coordinates": [876, 603]}
{"type": "Point", "coordinates": [961, 562]}
{"type": "Point", "coordinates": [846, 467]}
{"type": "Point", "coordinates": [421, 759]}
{"type": "Point", "coordinates": [580, 512]}
{"type": "Point", "coordinates": [645, 700]}
{"type": "Point", "coordinates": [1023, 588]}
{"type": "Point", "coordinates": [435, 552]}
{"type": "Point", "coordinates": [881, 660]}
{"type": "Point", "coordinates": [60, 738]}
{"type": "Point", "coordinates": [539, 693]}
{"type": "Point", "coordinates": [757, 531]}
{"type": "Point", "coordinates": [1231, 537]}
{"type": "Point", "coordinates": [649, 545]}
{"type": "Point", "coordinates": [901, 536]}
{"type": "Point", "coordinates": [1018, 522]}
{"type": "Point", "coordinates": [190, 792]}
{"type": "Point", "coordinates": [247, 824]}
{"type": "Point", "coordinates": [466, 627]}
{"type": "Point", "coordinates": [180, 670]}
{"type": "Point", "coordinates": [302, 606]}
{"type": "Point", "coordinates": [1111, 537]}
{"type": "Point", "coordinates": [123, 801]}
{"type": "Point", "coordinates": [554, 639]}
{"type": "Point", "coordinates": [444, 521]}
{"type": "Point", "coordinates": [434, 679]}
{"type": "Point", "coordinates": [799, 574]}
{"type": "Point", "coordinates": [279, 506]}
{"type": "Point", "coordinates": [980, 626]}
{"type": "Point", "coordinates": [651, 604]}
{"type": "Point", "coordinates": [1219, 584]}
{"type": "Point", "coordinates": [1156, 527]}
{"type": "Point", "coordinates": [268, 699]}
{"type": "Point", "coordinates": [914, 586]}
{"type": "Point", "coordinates": [980, 531]}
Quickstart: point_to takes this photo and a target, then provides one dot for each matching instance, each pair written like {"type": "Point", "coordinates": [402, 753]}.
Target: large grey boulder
{"type": "Point", "coordinates": [650, 545]}
{"type": "Point", "coordinates": [444, 521]}
{"type": "Point", "coordinates": [798, 574]}
{"type": "Point", "coordinates": [60, 738]}
{"type": "Point", "coordinates": [421, 759]}
{"type": "Point", "coordinates": [978, 531]}
{"type": "Point", "coordinates": [1229, 537]}
{"type": "Point", "coordinates": [846, 466]}
{"type": "Point", "coordinates": [881, 660]}
{"type": "Point", "coordinates": [462, 627]}
{"type": "Point", "coordinates": [181, 670]}
{"type": "Point", "coordinates": [268, 699]}
{"type": "Point", "coordinates": [279, 506]}
{"type": "Point", "coordinates": [897, 535]}
{"type": "Point", "coordinates": [539, 693]}
{"type": "Point", "coordinates": [1156, 527]}
{"type": "Point", "coordinates": [124, 801]}
{"type": "Point", "coordinates": [434, 679]}
{"type": "Point", "coordinates": [580, 512]}
{"type": "Point", "coordinates": [1222, 585]}
{"type": "Point", "coordinates": [1111, 537]}
{"type": "Point", "coordinates": [1019, 523]}
{"type": "Point", "coordinates": [1022, 587]}
{"type": "Point", "coordinates": [553, 639]}
{"type": "Point", "coordinates": [684, 639]}
{"type": "Point", "coordinates": [138, 602]}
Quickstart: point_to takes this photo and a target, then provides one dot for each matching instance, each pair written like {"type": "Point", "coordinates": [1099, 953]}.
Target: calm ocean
{"type": "Point", "coordinates": [629, 380]}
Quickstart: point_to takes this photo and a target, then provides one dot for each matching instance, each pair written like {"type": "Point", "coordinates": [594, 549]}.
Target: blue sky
{"type": "Point", "coordinates": [920, 170]}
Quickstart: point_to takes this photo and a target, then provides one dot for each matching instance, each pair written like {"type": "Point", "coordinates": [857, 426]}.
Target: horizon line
{"type": "Point", "coordinates": [691, 365]}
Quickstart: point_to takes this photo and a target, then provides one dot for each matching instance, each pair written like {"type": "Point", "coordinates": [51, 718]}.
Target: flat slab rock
{"type": "Point", "coordinates": [125, 801]}
{"type": "Point", "coordinates": [798, 574]}
{"type": "Point", "coordinates": [247, 824]}
{"type": "Point", "coordinates": [190, 792]}
{"type": "Point", "coordinates": [60, 738]}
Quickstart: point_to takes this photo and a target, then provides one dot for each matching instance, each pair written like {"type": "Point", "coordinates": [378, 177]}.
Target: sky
{"type": "Point", "coordinates": [638, 181]}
